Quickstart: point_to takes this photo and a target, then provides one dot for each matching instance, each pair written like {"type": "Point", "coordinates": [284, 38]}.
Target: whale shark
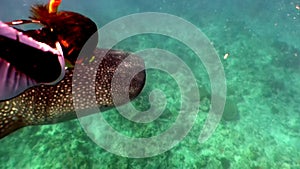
{"type": "Point", "coordinates": [50, 104]}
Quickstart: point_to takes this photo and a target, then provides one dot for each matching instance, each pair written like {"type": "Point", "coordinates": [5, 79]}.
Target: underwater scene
{"type": "Point", "coordinates": [221, 91]}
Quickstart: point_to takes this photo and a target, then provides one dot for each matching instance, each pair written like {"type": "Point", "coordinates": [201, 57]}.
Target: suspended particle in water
{"type": "Point", "coordinates": [226, 55]}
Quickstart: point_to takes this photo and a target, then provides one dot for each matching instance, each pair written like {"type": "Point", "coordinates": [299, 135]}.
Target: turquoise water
{"type": "Point", "coordinates": [260, 127]}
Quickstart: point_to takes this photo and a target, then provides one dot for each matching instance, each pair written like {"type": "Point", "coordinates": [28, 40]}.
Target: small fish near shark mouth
{"type": "Point", "coordinates": [55, 103]}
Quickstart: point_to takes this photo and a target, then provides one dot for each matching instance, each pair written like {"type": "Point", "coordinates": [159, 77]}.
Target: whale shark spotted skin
{"type": "Point", "coordinates": [48, 104]}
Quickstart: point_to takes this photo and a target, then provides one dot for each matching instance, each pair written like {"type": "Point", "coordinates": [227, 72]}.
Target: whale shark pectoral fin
{"type": "Point", "coordinates": [11, 118]}
{"type": "Point", "coordinates": [8, 126]}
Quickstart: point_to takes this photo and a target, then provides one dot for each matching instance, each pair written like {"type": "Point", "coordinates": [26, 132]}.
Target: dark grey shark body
{"type": "Point", "coordinates": [51, 104]}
